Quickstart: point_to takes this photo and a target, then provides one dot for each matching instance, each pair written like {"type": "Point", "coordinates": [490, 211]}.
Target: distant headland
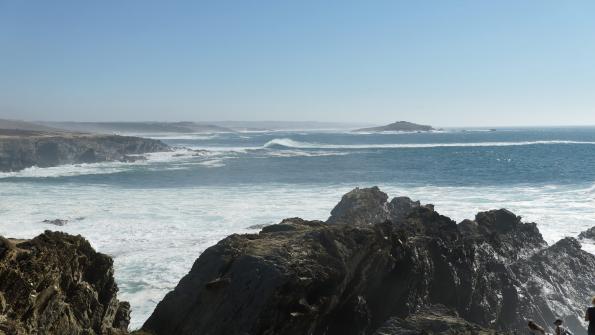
{"type": "Point", "coordinates": [25, 144]}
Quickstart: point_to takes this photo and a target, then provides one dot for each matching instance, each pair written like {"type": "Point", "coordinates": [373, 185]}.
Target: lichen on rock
{"type": "Point", "coordinates": [56, 283]}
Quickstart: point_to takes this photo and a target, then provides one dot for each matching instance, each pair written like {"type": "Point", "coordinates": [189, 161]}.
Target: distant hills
{"type": "Point", "coordinates": [398, 126]}
{"type": "Point", "coordinates": [138, 127]}
{"type": "Point", "coordinates": [13, 125]}
{"type": "Point", "coordinates": [154, 127]}
{"type": "Point", "coordinates": [288, 125]}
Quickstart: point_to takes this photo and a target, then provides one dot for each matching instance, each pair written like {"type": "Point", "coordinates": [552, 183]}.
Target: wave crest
{"type": "Point", "coordinates": [285, 143]}
{"type": "Point", "coordinates": [289, 143]}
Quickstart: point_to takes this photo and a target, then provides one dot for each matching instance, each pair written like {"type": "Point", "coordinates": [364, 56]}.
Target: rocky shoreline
{"type": "Point", "coordinates": [21, 149]}
{"type": "Point", "coordinates": [374, 267]}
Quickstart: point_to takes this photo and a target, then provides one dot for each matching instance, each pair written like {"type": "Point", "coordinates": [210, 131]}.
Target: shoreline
{"type": "Point", "coordinates": [350, 216]}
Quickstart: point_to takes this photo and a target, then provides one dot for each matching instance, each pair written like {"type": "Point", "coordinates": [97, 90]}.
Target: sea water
{"type": "Point", "coordinates": [155, 217]}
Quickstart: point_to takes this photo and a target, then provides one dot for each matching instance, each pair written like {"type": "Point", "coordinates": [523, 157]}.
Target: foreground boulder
{"type": "Point", "coordinates": [559, 281]}
{"type": "Point", "coordinates": [349, 276]}
{"type": "Point", "coordinates": [57, 284]}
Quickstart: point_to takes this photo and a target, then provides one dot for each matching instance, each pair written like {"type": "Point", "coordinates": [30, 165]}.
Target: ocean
{"type": "Point", "coordinates": [155, 217]}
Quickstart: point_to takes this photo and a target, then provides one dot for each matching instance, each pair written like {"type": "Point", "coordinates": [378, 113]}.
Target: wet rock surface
{"type": "Point", "coordinates": [375, 263]}
{"type": "Point", "coordinates": [588, 234]}
{"type": "Point", "coordinates": [56, 283]}
{"type": "Point", "coordinates": [56, 222]}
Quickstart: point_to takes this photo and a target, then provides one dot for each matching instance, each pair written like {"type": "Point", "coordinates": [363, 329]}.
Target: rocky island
{"type": "Point", "coordinates": [399, 126]}
{"type": "Point", "coordinates": [375, 267]}
{"type": "Point", "coordinates": [28, 146]}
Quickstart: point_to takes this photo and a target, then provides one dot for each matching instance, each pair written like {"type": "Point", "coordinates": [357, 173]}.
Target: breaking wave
{"type": "Point", "coordinates": [283, 143]}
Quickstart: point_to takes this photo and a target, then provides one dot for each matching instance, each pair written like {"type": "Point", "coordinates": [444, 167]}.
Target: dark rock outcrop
{"type": "Point", "coordinates": [56, 283]}
{"type": "Point", "coordinates": [588, 234]}
{"type": "Point", "coordinates": [370, 206]}
{"type": "Point", "coordinates": [56, 222]}
{"type": "Point", "coordinates": [361, 206]}
{"type": "Point", "coordinates": [257, 226]}
{"type": "Point", "coordinates": [310, 277]}
{"type": "Point", "coordinates": [559, 281]}
{"type": "Point", "coordinates": [20, 152]}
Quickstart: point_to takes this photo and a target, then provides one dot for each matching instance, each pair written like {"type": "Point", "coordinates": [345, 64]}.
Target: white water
{"type": "Point", "coordinates": [173, 160]}
{"type": "Point", "coordinates": [155, 234]}
{"type": "Point", "coordinates": [289, 143]}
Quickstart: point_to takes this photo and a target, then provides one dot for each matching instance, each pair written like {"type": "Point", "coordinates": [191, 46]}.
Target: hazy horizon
{"type": "Point", "coordinates": [458, 64]}
{"type": "Point", "coordinates": [288, 122]}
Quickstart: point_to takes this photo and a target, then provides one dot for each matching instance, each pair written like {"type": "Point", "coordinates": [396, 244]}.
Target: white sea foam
{"type": "Point", "coordinates": [155, 234]}
{"type": "Point", "coordinates": [289, 143]}
{"type": "Point", "coordinates": [65, 170]}
{"type": "Point", "coordinates": [302, 153]}
{"type": "Point", "coordinates": [278, 147]}
{"type": "Point", "coordinates": [213, 163]}
{"type": "Point", "coordinates": [215, 149]}
{"type": "Point", "coordinates": [174, 136]}
{"type": "Point", "coordinates": [68, 170]}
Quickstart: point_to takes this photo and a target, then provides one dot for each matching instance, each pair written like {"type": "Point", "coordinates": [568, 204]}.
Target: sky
{"type": "Point", "coordinates": [445, 63]}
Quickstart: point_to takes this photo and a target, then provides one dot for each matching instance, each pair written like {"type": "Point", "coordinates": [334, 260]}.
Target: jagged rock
{"type": "Point", "coordinates": [45, 150]}
{"type": "Point", "coordinates": [505, 232]}
{"type": "Point", "coordinates": [257, 226]}
{"type": "Point", "coordinates": [57, 284]}
{"type": "Point", "coordinates": [281, 282]}
{"type": "Point", "coordinates": [401, 207]}
{"type": "Point", "coordinates": [559, 281]}
{"type": "Point", "coordinates": [361, 206]}
{"type": "Point", "coordinates": [309, 277]}
{"type": "Point", "coordinates": [433, 320]}
{"type": "Point", "coordinates": [56, 222]}
{"type": "Point", "coordinates": [370, 206]}
{"type": "Point", "coordinates": [588, 234]}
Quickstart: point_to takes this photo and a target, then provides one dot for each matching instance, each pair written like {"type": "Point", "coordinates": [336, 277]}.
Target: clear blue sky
{"type": "Point", "coordinates": [445, 63]}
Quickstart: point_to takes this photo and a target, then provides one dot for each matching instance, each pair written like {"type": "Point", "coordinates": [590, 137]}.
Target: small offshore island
{"type": "Point", "coordinates": [375, 267]}
{"type": "Point", "coordinates": [399, 126]}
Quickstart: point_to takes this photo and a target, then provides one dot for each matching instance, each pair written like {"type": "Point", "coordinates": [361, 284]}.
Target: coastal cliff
{"type": "Point", "coordinates": [57, 284]}
{"type": "Point", "coordinates": [375, 267]}
{"type": "Point", "coordinates": [391, 262]}
{"type": "Point", "coordinates": [20, 149]}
